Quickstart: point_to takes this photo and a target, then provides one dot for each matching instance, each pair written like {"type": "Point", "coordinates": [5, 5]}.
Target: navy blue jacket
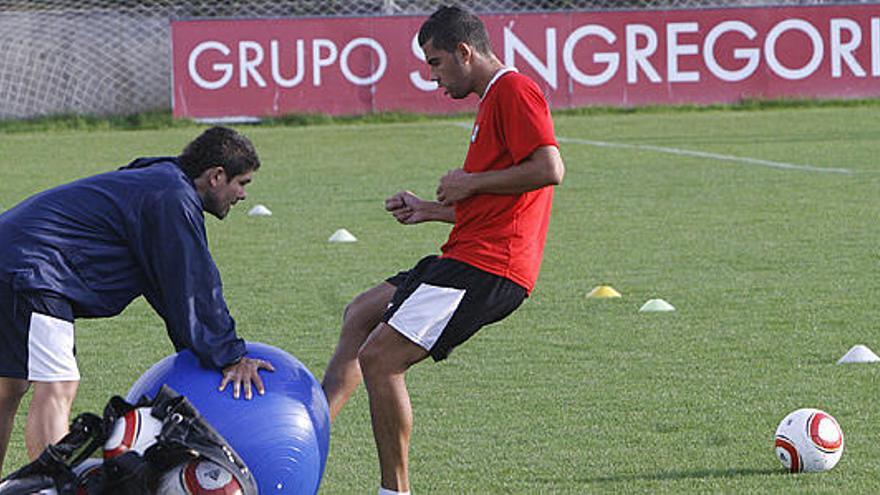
{"type": "Point", "coordinates": [102, 241]}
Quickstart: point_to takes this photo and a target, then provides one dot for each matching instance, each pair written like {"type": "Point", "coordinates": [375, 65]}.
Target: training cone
{"type": "Point", "coordinates": [859, 354]}
{"type": "Point", "coordinates": [259, 211]}
{"type": "Point", "coordinates": [603, 291]}
{"type": "Point", "coordinates": [656, 305]}
{"type": "Point", "coordinates": [342, 235]}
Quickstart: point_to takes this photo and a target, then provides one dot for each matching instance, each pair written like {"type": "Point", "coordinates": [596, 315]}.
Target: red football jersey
{"type": "Point", "coordinates": [504, 234]}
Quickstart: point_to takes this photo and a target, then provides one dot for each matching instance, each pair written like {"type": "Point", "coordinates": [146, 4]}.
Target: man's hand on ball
{"type": "Point", "coordinates": [245, 373]}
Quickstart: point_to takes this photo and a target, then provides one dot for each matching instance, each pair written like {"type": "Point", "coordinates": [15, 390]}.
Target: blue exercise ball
{"type": "Point", "coordinates": [283, 436]}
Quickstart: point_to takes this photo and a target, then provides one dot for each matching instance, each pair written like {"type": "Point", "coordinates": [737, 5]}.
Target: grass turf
{"type": "Point", "coordinates": [772, 272]}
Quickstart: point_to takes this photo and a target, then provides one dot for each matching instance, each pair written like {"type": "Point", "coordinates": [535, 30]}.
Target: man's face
{"type": "Point", "coordinates": [224, 192]}
{"type": "Point", "coordinates": [449, 70]}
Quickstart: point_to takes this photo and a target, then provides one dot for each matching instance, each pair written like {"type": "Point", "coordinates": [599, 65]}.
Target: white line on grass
{"type": "Point", "coordinates": [699, 154]}
{"type": "Point", "coordinates": [705, 154]}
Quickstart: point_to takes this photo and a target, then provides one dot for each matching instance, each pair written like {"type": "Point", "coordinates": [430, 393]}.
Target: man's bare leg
{"type": "Point", "coordinates": [343, 373]}
{"type": "Point", "coordinates": [49, 414]}
{"type": "Point", "coordinates": [384, 359]}
{"type": "Point", "coordinates": [11, 392]}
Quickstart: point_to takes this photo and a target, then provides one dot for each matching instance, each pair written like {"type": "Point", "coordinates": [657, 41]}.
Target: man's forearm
{"type": "Point", "coordinates": [543, 168]}
{"type": "Point", "coordinates": [435, 211]}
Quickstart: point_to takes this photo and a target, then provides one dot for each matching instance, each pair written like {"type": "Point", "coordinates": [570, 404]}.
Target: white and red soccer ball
{"type": "Point", "coordinates": [135, 430]}
{"type": "Point", "coordinates": [198, 477]}
{"type": "Point", "coordinates": [809, 440]}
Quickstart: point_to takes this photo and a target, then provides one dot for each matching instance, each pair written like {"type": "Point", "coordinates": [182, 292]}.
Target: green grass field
{"type": "Point", "coordinates": [774, 274]}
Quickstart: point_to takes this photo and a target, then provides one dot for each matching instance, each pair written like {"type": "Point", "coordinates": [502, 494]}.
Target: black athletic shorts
{"type": "Point", "coordinates": [36, 336]}
{"type": "Point", "coordinates": [442, 302]}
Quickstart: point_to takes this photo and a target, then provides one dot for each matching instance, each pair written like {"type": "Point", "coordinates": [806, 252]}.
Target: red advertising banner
{"type": "Point", "coordinates": [259, 68]}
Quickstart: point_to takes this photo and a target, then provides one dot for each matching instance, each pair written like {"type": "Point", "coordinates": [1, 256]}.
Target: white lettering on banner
{"type": "Point", "coordinates": [730, 51]}
{"type": "Point", "coordinates": [318, 62]}
{"type": "Point", "coordinates": [612, 59]}
{"type": "Point", "coordinates": [751, 55]}
{"type": "Point", "coordinates": [637, 58]}
{"type": "Point", "coordinates": [844, 51]}
{"type": "Point", "coordinates": [276, 65]}
{"type": "Point", "coordinates": [251, 56]}
{"type": "Point", "coordinates": [675, 50]}
{"type": "Point", "coordinates": [642, 44]}
{"type": "Point", "coordinates": [875, 47]}
{"type": "Point", "coordinates": [414, 76]}
{"type": "Point", "coordinates": [226, 69]}
{"type": "Point", "coordinates": [249, 65]}
{"type": "Point", "coordinates": [513, 45]}
{"type": "Point", "coordinates": [770, 49]}
{"type": "Point", "coordinates": [376, 75]}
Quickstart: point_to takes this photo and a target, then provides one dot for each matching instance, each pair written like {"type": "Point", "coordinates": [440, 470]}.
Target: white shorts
{"type": "Point", "coordinates": [51, 350]}
{"type": "Point", "coordinates": [442, 302]}
{"type": "Point", "coordinates": [36, 337]}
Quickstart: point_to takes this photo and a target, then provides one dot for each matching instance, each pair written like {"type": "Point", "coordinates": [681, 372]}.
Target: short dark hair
{"type": "Point", "coordinates": [219, 147]}
{"type": "Point", "coordinates": [449, 26]}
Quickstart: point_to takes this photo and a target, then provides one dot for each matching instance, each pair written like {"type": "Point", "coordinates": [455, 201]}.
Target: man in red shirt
{"type": "Point", "coordinates": [499, 203]}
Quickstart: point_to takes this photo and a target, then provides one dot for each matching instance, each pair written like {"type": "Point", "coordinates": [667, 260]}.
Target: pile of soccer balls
{"type": "Point", "coordinates": [137, 430]}
{"type": "Point", "coordinates": [809, 440]}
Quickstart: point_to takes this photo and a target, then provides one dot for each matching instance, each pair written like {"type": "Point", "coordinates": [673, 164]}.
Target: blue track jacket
{"type": "Point", "coordinates": [102, 241]}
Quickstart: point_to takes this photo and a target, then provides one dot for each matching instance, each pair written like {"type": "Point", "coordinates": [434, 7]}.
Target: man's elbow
{"type": "Point", "coordinates": [547, 167]}
{"type": "Point", "coordinates": [555, 172]}
{"type": "Point", "coordinates": [559, 172]}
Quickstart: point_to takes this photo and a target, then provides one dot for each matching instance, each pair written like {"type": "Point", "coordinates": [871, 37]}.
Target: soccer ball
{"type": "Point", "coordinates": [809, 440]}
{"type": "Point", "coordinates": [136, 430]}
{"type": "Point", "coordinates": [198, 477]}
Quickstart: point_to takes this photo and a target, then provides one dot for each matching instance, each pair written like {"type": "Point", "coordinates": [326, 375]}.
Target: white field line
{"type": "Point", "coordinates": [705, 154]}
{"type": "Point", "coordinates": [699, 154]}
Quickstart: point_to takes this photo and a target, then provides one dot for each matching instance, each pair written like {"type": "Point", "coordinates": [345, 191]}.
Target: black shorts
{"type": "Point", "coordinates": [36, 336]}
{"type": "Point", "coordinates": [442, 302]}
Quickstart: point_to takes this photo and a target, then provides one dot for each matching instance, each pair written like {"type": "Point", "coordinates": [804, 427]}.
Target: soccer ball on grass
{"type": "Point", "coordinates": [809, 440]}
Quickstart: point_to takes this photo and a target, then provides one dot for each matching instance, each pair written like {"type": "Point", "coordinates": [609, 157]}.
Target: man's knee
{"type": "Point", "coordinates": [370, 359]}
{"type": "Point", "coordinates": [387, 352]}
{"type": "Point", "coordinates": [370, 304]}
{"type": "Point", "coordinates": [357, 308]}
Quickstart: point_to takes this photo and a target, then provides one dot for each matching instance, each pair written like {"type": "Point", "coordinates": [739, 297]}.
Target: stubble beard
{"type": "Point", "coordinates": [214, 207]}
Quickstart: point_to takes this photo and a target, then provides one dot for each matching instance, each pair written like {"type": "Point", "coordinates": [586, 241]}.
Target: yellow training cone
{"type": "Point", "coordinates": [603, 291]}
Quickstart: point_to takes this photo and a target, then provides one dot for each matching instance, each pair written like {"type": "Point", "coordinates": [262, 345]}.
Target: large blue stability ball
{"type": "Point", "coordinates": [283, 436]}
